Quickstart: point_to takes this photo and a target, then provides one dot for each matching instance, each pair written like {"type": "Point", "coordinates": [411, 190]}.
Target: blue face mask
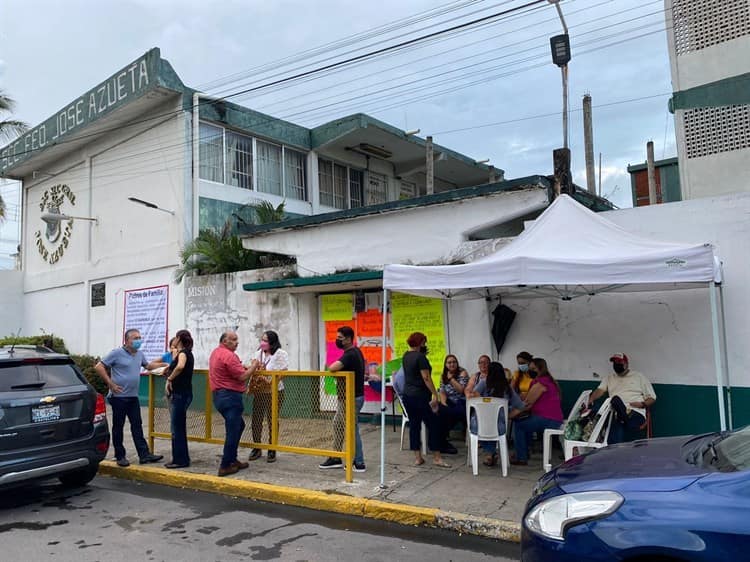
{"type": "Point", "coordinates": [136, 344]}
{"type": "Point", "coordinates": [523, 368]}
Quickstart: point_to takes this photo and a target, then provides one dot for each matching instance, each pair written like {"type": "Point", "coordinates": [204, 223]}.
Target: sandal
{"type": "Point", "coordinates": [491, 460]}
{"type": "Point", "coordinates": [441, 464]}
{"type": "Point", "coordinates": [420, 462]}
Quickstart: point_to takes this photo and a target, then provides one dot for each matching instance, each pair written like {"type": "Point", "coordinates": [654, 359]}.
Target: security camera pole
{"type": "Point", "coordinates": [561, 56]}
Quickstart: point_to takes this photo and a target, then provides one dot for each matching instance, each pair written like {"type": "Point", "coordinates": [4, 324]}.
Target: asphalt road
{"type": "Point", "coordinates": [113, 520]}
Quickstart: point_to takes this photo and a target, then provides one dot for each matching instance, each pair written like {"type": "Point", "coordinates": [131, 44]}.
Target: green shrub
{"type": "Point", "coordinates": [86, 365]}
{"type": "Point", "coordinates": [46, 340]}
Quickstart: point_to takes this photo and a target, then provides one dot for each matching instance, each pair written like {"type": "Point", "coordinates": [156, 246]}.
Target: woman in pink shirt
{"type": "Point", "coordinates": [544, 403]}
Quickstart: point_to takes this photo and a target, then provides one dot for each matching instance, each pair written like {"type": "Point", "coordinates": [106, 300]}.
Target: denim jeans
{"type": "Point", "coordinates": [339, 428]}
{"type": "Point", "coordinates": [522, 430]}
{"type": "Point", "coordinates": [130, 408]}
{"type": "Point", "coordinates": [229, 404]}
{"type": "Point", "coordinates": [178, 422]}
{"type": "Point", "coordinates": [623, 424]}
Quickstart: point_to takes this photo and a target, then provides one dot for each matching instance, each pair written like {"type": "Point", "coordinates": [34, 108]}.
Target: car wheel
{"type": "Point", "coordinates": [79, 477]}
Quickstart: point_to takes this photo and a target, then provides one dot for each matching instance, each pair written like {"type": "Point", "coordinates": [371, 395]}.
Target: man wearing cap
{"type": "Point", "coordinates": [630, 392]}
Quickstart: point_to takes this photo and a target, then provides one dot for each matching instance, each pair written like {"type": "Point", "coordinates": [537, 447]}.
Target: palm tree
{"type": "Point", "coordinates": [221, 251]}
{"type": "Point", "coordinates": [9, 129]}
{"type": "Point", "coordinates": [260, 212]}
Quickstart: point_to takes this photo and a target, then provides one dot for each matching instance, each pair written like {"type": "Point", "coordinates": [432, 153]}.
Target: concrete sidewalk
{"type": "Point", "coordinates": [487, 505]}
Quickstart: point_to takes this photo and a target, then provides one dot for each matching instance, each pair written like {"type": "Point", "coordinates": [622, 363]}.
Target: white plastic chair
{"type": "Point", "coordinates": [486, 411]}
{"type": "Point", "coordinates": [405, 421]}
{"type": "Point", "coordinates": [598, 437]}
{"type": "Point", "coordinates": [583, 398]}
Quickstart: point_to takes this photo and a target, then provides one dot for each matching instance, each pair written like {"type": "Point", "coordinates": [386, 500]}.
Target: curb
{"type": "Point", "coordinates": [322, 501]}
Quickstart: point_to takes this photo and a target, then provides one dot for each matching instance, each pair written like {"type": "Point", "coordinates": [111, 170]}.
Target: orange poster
{"type": "Point", "coordinates": [375, 354]}
{"type": "Point", "coordinates": [370, 323]}
{"type": "Point", "coordinates": [333, 325]}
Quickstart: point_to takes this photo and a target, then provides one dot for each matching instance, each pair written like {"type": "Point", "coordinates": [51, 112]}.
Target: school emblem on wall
{"type": "Point", "coordinates": [54, 239]}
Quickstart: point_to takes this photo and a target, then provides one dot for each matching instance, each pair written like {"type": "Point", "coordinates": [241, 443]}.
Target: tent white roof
{"type": "Point", "coordinates": [569, 251]}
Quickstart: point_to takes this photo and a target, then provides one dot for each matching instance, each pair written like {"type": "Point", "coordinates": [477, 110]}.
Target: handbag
{"type": "Point", "coordinates": [259, 385]}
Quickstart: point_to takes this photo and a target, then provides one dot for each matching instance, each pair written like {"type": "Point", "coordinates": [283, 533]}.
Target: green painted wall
{"type": "Point", "coordinates": [679, 410]}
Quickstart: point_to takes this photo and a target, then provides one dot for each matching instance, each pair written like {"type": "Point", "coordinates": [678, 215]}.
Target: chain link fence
{"type": "Point", "coordinates": [303, 412]}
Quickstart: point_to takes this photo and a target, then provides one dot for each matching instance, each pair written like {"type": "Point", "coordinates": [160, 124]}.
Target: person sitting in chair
{"type": "Point", "coordinates": [630, 392]}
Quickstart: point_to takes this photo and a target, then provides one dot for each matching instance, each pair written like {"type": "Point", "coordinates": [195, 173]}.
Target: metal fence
{"type": "Point", "coordinates": [302, 417]}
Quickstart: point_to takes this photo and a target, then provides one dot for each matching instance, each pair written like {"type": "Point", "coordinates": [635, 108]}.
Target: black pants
{"type": "Point", "coordinates": [418, 409]}
{"type": "Point", "coordinates": [623, 423]}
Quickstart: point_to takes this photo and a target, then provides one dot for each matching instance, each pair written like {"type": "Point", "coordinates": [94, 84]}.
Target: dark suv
{"type": "Point", "coordinates": [52, 422]}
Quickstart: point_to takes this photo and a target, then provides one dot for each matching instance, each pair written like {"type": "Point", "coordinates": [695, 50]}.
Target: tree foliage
{"type": "Point", "coordinates": [9, 129]}
{"type": "Point", "coordinates": [222, 252]}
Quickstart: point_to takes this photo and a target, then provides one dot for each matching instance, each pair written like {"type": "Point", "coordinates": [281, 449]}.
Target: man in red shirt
{"type": "Point", "coordinates": [228, 380]}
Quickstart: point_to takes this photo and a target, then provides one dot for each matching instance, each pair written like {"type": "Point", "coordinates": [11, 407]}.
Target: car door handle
{"type": "Point", "coordinates": [47, 432]}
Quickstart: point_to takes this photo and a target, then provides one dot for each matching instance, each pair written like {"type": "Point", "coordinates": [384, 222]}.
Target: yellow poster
{"type": "Point", "coordinates": [336, 307]}
{"type": "Point", "coordinates": [420, 314]}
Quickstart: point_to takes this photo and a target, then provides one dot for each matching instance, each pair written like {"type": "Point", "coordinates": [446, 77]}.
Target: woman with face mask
{"type": "Point", "coordinates": [543, 401]}
{"type": "Point", "coordinates": [420, 399]}
{"type": "Point", "coordinates": [269, 357]}
{"type": "Point", "coordinates": [522, 377]}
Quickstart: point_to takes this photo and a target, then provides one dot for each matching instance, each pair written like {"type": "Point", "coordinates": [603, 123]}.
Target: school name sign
{"type": "Point", "coordinates": [122, 87]}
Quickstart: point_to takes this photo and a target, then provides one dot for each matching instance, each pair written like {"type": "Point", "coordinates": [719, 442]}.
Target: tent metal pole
{"type": "Point", "coordinates": [717, 354]}
{"type": "Point", "coordinates": [725, 356]}
{"type": "Point", "coordinates": [382, 389]}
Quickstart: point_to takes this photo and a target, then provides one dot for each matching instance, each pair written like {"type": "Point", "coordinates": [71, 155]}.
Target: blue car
{"type": "Point", "coordinates": [676, 498]}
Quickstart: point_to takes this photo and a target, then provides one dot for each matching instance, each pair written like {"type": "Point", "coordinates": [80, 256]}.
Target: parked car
{"type": "Point", "coordinates": [52, 422]}
{"type": "Point", "coordinates": [669, 499]}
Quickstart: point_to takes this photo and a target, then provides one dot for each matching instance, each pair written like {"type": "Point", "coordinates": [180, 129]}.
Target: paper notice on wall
{"type": "Point", "coordinates": [370, 323]}
{"type": "Point", "coordinates": [146, 311]}
{"type": "Point", "coordinates": [419, 314]}
{"type": "Point", "coordinates": [336, 307]}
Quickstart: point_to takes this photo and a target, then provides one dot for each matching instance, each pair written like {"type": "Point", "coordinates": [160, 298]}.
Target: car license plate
{"type": "Point", "coordinates": [45, 413]}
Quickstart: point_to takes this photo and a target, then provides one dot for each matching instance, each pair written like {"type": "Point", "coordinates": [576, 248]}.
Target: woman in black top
{"type": "Point", "coordinates": [421, 400]}
{"type": "Point", "coordinates": [180, 389]}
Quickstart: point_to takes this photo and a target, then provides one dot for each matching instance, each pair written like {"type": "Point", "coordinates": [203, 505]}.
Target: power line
{"type": "Point", "coordinates": [288, 79]}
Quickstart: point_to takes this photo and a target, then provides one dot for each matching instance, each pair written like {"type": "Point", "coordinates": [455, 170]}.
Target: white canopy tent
{"type": "Point", "coordinates": [569, 251]}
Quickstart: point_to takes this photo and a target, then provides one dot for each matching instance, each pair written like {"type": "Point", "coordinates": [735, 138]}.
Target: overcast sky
{"type": "Point", "coordinates": [490, 92]}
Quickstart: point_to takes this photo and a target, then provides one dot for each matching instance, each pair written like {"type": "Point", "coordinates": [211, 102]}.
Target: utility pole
{"type": "Point", "coordinates": [561, 56]}
{"type": "Point", "coordinates": [429, 166]}
{"type": "Point", "coordinates": [588, 145]}
{"type": "Point", "coordinates": [651, 173]}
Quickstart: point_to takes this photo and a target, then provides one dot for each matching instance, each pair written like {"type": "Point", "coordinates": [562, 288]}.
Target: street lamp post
{"type": "Point", "coordinates": [560, 45]}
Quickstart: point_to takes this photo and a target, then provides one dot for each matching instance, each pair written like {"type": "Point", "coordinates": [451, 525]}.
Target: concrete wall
{"type": "Point", "coordinates": [11, 302]}
{"type": "Point", "coordinates": [716, 174]}
{"type": "Point", "coordinates": [130, 247]}
{"type": "Point", "coordinates": [417, 235]}
{"type": "Point", "coordinates": [216, 303]}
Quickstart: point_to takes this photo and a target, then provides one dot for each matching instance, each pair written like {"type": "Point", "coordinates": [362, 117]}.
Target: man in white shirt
{"type": "Point", "coordinates": [630, 392]}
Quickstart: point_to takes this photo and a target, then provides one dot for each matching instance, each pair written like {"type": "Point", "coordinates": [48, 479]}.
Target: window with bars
{"type": "Point", "coordinates": [239, 160]}
{"type": "Point", "coordinates": [712, 130]}
{"type": "Point", "coordinates": [269, 168]}
{"type": "Point", "coordinates": [294, 175]}
{"type": "Point", "coordinates": [211, 151]}
{"type": "Point", "coordinates": [340, 186]}
{"type": "Point", "coordinates": [356, 192]}
{"type": "Point", "coordinates": [377, 189]}
{"type": "Point", "coordinates": [702, 23]}
{"type": "Point", "coordinates": [248, 163]}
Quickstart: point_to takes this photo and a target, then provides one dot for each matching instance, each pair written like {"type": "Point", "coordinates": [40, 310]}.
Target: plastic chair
{"type": "Point", "coordinates": [598, 437]}
{"type": "Point", "coordinates": [582, 399]}
{"type": "Point", "coordinates": [486, 411]}
{"type": "Point", "coordinates": [646, 426]}
{"type": "Point", "coordinates": [405, 421]}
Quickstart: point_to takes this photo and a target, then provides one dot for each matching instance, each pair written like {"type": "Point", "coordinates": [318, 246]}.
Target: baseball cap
{"type": "Point", "coordinates": [619, 358]}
